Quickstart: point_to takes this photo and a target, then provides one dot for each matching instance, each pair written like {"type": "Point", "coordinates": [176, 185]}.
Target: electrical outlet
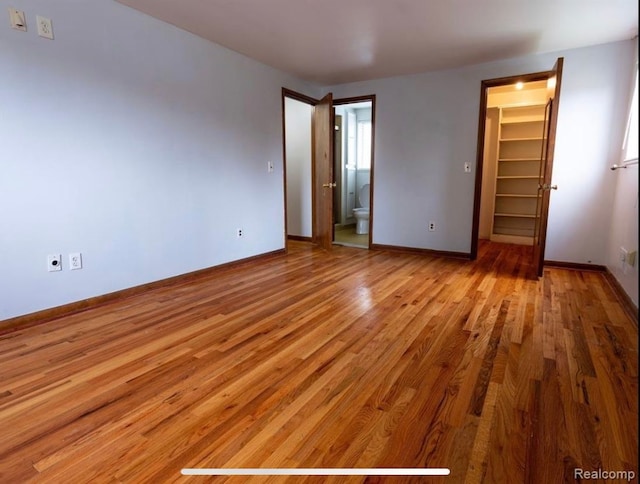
{"type": "Point", "coordinates": [54, 262]}
{"type": "Point", "coordinates": [44, 27]}
{"type": "Point", "coordinates": [239, 233]}
{"type": "Point", "coordinates": [432, 226]}
{"type": "Point", "coordinates": [75, 261]}
{"type": "Point", "coordinates": [17, 19]}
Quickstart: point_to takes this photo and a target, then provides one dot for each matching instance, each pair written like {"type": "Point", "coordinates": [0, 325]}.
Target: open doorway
{"type": "Point", "coordinates": [516, 139]}
{"type": "Point", "coordinates": [297, 132]}
{"type": "Point", "coordinates": [513, 144]}
{"type": "Point", "coordinates": [328, 169]}
{"type": "Point", "coordinates": [307, 126]}
{"type": "Point", "coordinates": [353, 171]}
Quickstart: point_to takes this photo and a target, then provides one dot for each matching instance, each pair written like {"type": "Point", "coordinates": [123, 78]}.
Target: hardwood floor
{"type": "Point", "coordinates": [352, 358]}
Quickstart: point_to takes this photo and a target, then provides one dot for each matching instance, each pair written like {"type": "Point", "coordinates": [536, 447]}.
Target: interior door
{"type": "Point", "coordinates": [323, 184]}
{"type": "Point", "coordinates": [338, 163]}
{"type": "Point", "coordinates": [546, 166]}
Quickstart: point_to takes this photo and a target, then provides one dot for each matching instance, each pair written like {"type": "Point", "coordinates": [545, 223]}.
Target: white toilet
{"type": "Point", "coordinates": [362, 214]}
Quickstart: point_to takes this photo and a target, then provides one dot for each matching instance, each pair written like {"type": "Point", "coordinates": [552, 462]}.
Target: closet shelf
{"type": "Point", "coordinates": [536, 138]}
{"type": "Point", "coordinates": [515, 215]}
{"type": "Point", "coordinates": [518, 177]}
{"type": "Point", "coordinates": [515, 195]}
{"type": "Point", "coordinates": [522, 121]}
{"type": "Point", "coordinates": [519, 159]}
{"type": "Point", "coordinates": [518, 145]}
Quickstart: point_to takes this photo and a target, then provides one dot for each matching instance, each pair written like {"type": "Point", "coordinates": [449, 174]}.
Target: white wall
{"type": "Point", "coordinates": [145, 148]}
{"type": "Point", "coordinates": [624, 230]}
{"type": "Point", "coordinates": [624, 219]}
{"type": "Point", "coordinates": [517, 98]}
{"type": "Point", "coordinates": [133, 142]}
{"type": "Point", "coordinates": [298, 153]}
{"type": "Point", "coordinates": [591, 124]}
{"type": "Point", "coordinates": [426, 129]}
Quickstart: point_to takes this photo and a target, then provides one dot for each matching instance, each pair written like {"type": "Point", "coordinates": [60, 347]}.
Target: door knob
{"type": "Point", "coordinates": [329, 185]}
{"type": "Point", "coordinates": [547, 186]}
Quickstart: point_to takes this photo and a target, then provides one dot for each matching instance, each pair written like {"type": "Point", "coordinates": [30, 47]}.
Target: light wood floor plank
{"type": "Point", "coordinates": [352, 358]}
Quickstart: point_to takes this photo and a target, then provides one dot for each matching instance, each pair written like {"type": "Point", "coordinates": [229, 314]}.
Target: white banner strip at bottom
{"type": "Point", "coordinates": [390, 471]}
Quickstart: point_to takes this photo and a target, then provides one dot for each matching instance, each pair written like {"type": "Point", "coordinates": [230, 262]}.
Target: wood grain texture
{"type": "Point", "coordinates": [39, 317]}
{"type": "Point", "coordinates": [349, 358]}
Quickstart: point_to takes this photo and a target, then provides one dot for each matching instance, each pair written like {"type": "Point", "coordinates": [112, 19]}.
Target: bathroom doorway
{"type": "Point", "coordinates": [353, 171]}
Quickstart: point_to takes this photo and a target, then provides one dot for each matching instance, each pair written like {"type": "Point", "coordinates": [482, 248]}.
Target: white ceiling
{"type": "Point", "coordinates": [338, 41]}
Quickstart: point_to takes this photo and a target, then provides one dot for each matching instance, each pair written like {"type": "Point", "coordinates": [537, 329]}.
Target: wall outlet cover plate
{"type": "Point", "coordinates": [44, 27]}
{"type": "Point", "coordinates": [54, 262]}
{"type": "Point", "coordinates": [17, 19]}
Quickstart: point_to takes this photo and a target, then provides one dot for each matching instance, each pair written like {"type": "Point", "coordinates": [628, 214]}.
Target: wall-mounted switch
{"type": "Point", "coordinates": [270, 166]}
{"type": "Point", "coordinates": [18, 20]}
{"type": "Point", "coordinates": [467, 167]}
{"type": "Point", "coordinates": [44, 27]}
{"type": "Point", "coordinates": [75, 261]}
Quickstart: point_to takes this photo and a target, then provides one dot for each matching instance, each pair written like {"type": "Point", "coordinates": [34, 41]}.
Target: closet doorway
{"type": "Point", "coordinates": [516, 140]}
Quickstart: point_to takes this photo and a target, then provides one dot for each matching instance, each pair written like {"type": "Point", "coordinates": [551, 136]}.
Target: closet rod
{"type": "Point", "coordinates": [625, 164]}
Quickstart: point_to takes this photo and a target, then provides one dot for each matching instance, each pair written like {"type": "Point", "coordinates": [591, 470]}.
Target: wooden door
{"type": "Point", "coordinates": [323, 184]}
{"type": "Point", "coordinates": [546, 167]}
